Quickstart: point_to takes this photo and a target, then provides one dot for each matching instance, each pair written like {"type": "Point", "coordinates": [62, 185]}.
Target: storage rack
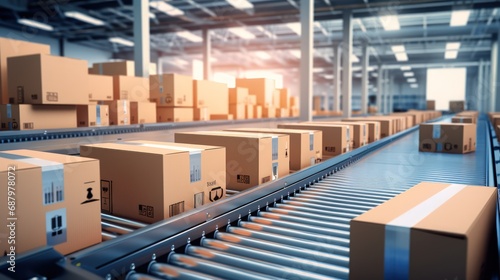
{"type": "Point", "coordinates": [296, 226]}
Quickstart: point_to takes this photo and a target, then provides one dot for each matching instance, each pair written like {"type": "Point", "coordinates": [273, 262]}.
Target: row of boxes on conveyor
{"type": "Point", "coordinates": [150, 181]}
{"type": "Point", "coordinates": [43, 91]}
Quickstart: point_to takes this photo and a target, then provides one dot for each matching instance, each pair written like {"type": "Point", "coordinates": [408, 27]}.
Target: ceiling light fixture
{"type": "Point", "coordinates": [411, 80]}
{"type": "Point", "coordinates": [408, 74]}
{"type": "Point", "coordinates": [35, 24]}
{"type": "Point", "coordinates": [241, 4]}
{"type": "Point", "coordinates": [459, 17]}
{"type": "Point", "coordinates": [262, 55]}
{"type": "Point", "coordinates": [390, 22]}
{"type": "Point", "coordinates": [296, 53]}
{"type": "Point", "coordinates": [295, 27]}
{"type": "Point", "coordinates": [121, 41]}
{"type": "Point", "coordinates": [189, 36]}
{"type": "Point", "coordinates": [85, 18]}
{"type": "Point", "coordinates": [405, 68]}
{"type": "Point", "coordinates": [166, 8]}
{"type": "Point", "coordinates": [241, 32]}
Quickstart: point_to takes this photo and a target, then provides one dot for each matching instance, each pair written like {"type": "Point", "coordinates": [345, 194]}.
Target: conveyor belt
{"type": "Point", "coordinates": [302, 233]}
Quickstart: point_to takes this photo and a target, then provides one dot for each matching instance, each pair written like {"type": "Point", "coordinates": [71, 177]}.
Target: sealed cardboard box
{"type": "Point", "coordinates": [169, 90]}
{"type": "Point", "coordinates": [349, 133]}
{"type": "Point", "coordinates": [431, 231]}
{"type": "Point", "coordinates": [282, 113]}
{"type": "Point", "coordinates": [100, 88]}
{"type": "Point", "coordinates": [131, 88]}
{"type": "Point", "coordinates": [8, 48]}
{"type": "Point", "coordinates": [212, 95]}
{"type": "Point", "coordinates": [47, 79]}
{"type": "Point", "coordinates": [238, 111]}
{"type": "Point", "coordinates": [336, 138]}
{"type": "Point", "coordinates": [29, 117]}
{"type": "Point", "coordinates": [122, 68]}
{"type": "Point", "coordinates": [431, 105]}
{"type": "Point", "coordinates": [455, 138]}
{"type": "Point", "coordinates": [92, 115]}
{"type": "Point", "coordinates": [142, 112]}
{"type": "Point", "coordinates": [373, 130]}
{"type": "Point", "coordinates": [294, 101]}
{"type": "Point", "coordinates": [457, 106]}
{"type": "Point", "coordinates": [317, 103]}
{"type": "Point", "coordinates": [269, 112]}
{"type": "Point", "coordinates": [294, 112]}
{"type": "Point", "coordinates": [284, 98]}
{"type": "Point", "coordinates": [249, 110]}
{"type": "Point", "coordinates": [201, 114]}
{"type": "Point", "coordinates": [119, 112]}
{"type": "Point", "coordinates": [262, 88]}
{"type": "Point", "coordinates": [252, 100]}
{"type": "Point", "coordinates": [277, 98]}
{"type": "Point", "coordinates": [179, 178]}
{"type": "Point", "coordinates": [306, 147]}
{"type": "Point", "coordinates": [56, 201]}
{"type": "Point", "coordinates": [174, 114]}
{"type": "Point", "coordinates": [221, 117]}
{"type": "Point", "coordinates": [408, 119]}
{"type": "Point", "coordinates": [251, 158]}
{"type": "Point", "coordinates": [238, 95]}
{"type": "Point", "coordinates": [360, 132]}
{"type": "Point", "coordinates": [386, 125]}
{"type": "Point", "coordinates": [257, 112]}
{"type": "Point", "coordinates": [463, 119]}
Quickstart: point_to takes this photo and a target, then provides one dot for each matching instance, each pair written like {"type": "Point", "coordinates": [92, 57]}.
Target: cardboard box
{"type": "Point", "coordinates": [317, 103]}
{"type": "Point", "coordinates": [47, 79]}
{"type": "Point", "coordinates": [294, 101]}
{"type": "Point", "coordinates": [92, 115]}
{"type": "Point", "coordinates": [122, 68]}
{"type": "Point", "coordinates": [238, 111]}
{"type": "Point", "coordinates": [360, 132]}
{"type": "Point", "coordinates": [306, 147]}
{"type": "Point", "coordinates": [431, 105]}
{"type": "Point", "coordinates": [455, 138]}
{"type": "Point", "coordinates": [238, 95]}
{"type": "Point", "coordinates": [142, 112]}
{"type": "Point", "coordinates": [169, 90]}
{"type": "Point", "coordinates": [269, 112]}
{"type": "Point", "coordinates": [277, 98]}
{"type": "Point", "coordinates": [262, 88]}
{"type": "Point", "coordinates": [29, 117]}
{"type": "Point", "coordinates": [336, 140]}
{"type": "Point", "coordinates": [119, 112]}
{"type": "Point", "coordinates": [408, 120]}
{"type": "Point", "coordinates": [180, 177]}
{"type": "Point", "coordinates": [463, 120]}
{"type": "Point", "coordinates": [251, 158]}
{"type": "Point", "coordinates": [386, 125]}
{"type": "Point", "coordinates": [282, 113]}
{"type": "Point", "coordinates": [249, 110]}
{"type": "Point", "coordinates": [457, 106]}
{"type": "Point", "coordinates": [100, 88]}
{"type": "Point", "coordinates": [174, 114]}
{"type": "Point", "coordinates": [257, 112]}
{"type": "Point", "coordinates": [56, 201]}
{"type": "Point", "coordinates": [252, 100]}
{"type": "Point", "coordinates": [221, 117]}
{"type": "Point", "coordinates": [294, 112]}
{"type": "Point", "coordinates": [284, 98]}
{"type": "Point", "coordinates": [201, 114]}
{"type": "Point", "coordinates": [373, 130]}
{"type": "Point", "coordinates": [8, 48]}
{"type": "Point", "coordinates": [431, 231]}
{"type": "Point", "coordinates": [131, 88]}
{"type": "Point", "coordinates": [210, 94]}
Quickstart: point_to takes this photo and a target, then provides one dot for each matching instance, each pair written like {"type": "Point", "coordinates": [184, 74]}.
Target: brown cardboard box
{"type": "Point", "coordinates": [29, 117]}
{"type": "Point", "coordinates": [470, 114]}
{"type": "Point", "coordinates": [119, 112]}
{"type": "Point", "coordinates": [251, 158]}
{"type": "Point", "coordinates": [249, 110]}
{"type": "Point", "coordinates": [169, 90]}
{"type": "Point", "coordinates": [408, 121]}
{"type": "Point", "coordinates": [56, 201]}
{"type": "Point", "coordinates": [174, 114]}
{"type": "Point", "coordinates": [47, 79]}
{"type": "Point", "coordinates": [179, 177]}
{"type": "Point", "coordinates": [317, 103]}
{"type": "Point", "coordinates": [294, 112]}
{"type": "Point", "coordinates": [122, 68]}
{"type": "Point", "coordinates": [463, 119]}
{"type": "Point", "coordinates": [8, 48]}
{"type": "Point", "coordinates": [373, 130]}
{"type": "Point", "coordinates": [221, 117]}
{"type": "Point", "coordinates": [349, 132]}
{"type": "Point", "coordinates": [277, 98]}
{"type": "Point", "coordinates": [284, 98]}
{"type": "Point", "coordinates": [212, 95]}
{"type": "Point", "coordinates": [263, 88]}
{"type": "Point", "coordinates": [238, 111]}
{"type": "Point", "coordinates": [457, 106]}
{"type": "Point", "coordinates": [386, 125]}
{"type": "Point", "coordinates": [269, 112]}
{"type": "Point", "coordinates": [142, 112]}
{"type": "Point", "coordinates": [360, 132]}
{"type": "Point", "coordinates": [455, 138]}
{"type": "Point", "coordinates": [92, 115]}
{"type": "Point", "coordinates": [131, 88]}
{"type": "Point", "coordinates": [335, 137]}
{"type": "Point", "coordinates": [282, 113]}
{"type": "Point", "coordinates": [294, 101]}
{"type": "Point", "coordinates": [252, 100]}
{"type": "Point", "coordinates": [372, 109]}
{"type": "Point", "coordinates": [201, 114]}
{"type": "Point", "coordinates": [431, 105]}
{"type": "Point", "coordinates": [305, 145]}
{"type": "Point", "coordinates": [257, 112]}
{"type": "Point", "coordinates": [431, 231]}
{"type": "Point", "coordinates": [100, 88]}
{"type": "Point", "coordinates": [238, 95]}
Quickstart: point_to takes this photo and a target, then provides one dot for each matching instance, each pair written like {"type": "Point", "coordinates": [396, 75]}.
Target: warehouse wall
{"type": "Point", "coordinates": [70, 49]}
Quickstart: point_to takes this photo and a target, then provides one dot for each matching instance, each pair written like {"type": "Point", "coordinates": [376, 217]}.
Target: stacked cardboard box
{"type": "Point", "coordinates": [456, 138]}
{"type": "Point", "coordinates": [265, 94]}
{"type": "Point", "coordinates": [180, 177]}
{"type": "Point", "coordinates": [457, 106]}
{"type": "Point", "coordinates": [173, 95]}
{"type": "Point", "coordinates": [29, 117]}
{"type": "Point", "coordinates": [92, 115]}
{"type": "Point", "coordinates": [360, 131]}
{"type": "Point", "coordinates": [251, 158]}
{"type": "Point", "coordinates": [57, 201]}
{"type": "Point", "coordinates": [212, 95]}
{"type": "Point", "coordinates": [431, 105]}
{"type": "Point", "coordinates": [121, 68]}
{"type": "Point", "coordinates": [431, 231]}
{"type": "Point", "coordinates": [238, 101]}
{"type": "Point", "coordinates": [294, 106]}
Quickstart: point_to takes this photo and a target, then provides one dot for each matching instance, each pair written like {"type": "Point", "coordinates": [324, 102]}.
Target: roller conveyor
{"type": "Point", "coordinates": [294, 228]}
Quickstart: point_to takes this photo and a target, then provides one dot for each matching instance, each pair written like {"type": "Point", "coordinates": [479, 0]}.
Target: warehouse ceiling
{"type": "Point", "coordinates": [240, 35]}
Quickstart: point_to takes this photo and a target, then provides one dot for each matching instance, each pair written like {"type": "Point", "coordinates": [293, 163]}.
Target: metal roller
{"type": "Point", "coordinates": [339, 230]}
{"type": "Point", "coordinates": [302, 214]}
{"type": "Point", "coordinates": [122, 221]}
{"type": "Point", "coordinates": [337, 203]}
{"type": "Point", "coordinates": [317, 222]}
{"type": "Point", "coordinates": [167, 271]}
{"type": "Point", "coordinates": [141, 276]}
{"type": "Point", "coordinates": [351, 200]}
{"type": "Point", "coordinates": [314, 205]}
{"type": "Point", "coordinates": [359, 197]}
{"type": "Point", "coordinates": [107, 235]}
{"type": "Point", "coordinates": [116, 229]}
{"type": "Point", "coordinates": [306, 209]}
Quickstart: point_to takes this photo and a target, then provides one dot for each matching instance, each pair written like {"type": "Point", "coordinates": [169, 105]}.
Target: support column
{"type": "Point", "coordinates": [336, 73]}
{"type": "Point", "coordinates": [494, 78]}
{"type": "Point", "coordinates": [364, 78]}
{"type": "Point", "coordinates": [391, 95]}
{"type": "Point", "coordinates": [306, 59]}
{"type": "Point", "coordinates": [387, 89]}
{"type": "Point", "coordinates": [479, 94]}
{"type": "Point", "coordinates": [486, 87]}
{"type": "Point", "coordinates": [347, 64]}
{"type": "Point", "coordinates": [141, 38]}
{"type": "Point", "coordinates": [379, 88]}
{"type": "Point", "coordinates": [207, 55]}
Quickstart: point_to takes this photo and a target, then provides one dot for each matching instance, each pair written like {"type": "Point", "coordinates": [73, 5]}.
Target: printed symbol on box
{"type": "Point", "coordinates": [55, 222]}
{"type": "Point", "coordinates": [15, 125]}
{"type": "Point", "coordinates": [198, 199]}
{"type": "Point", "coordinates": [146, 210]}
{"type": "Point", "coordinates": [51, 96]}
{"type": "Point", "coordinates": [106, 192]}
{"type": "Point", "coordinates": [216, 193]}
{"type": "Point", "coordinates": [90, 197]}
{"type": "Point", "coordinates": [168, 99]}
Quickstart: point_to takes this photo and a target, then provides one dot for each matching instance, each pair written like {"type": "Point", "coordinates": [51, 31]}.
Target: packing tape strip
{"type": "Point", "coordinates": [311, 141]}
{"type": "Point", "coordinates": [98, 114]}
{"type": "Point", "coordinates": [397, 232]}
{"type": "Point", "coordinates": [274, 147]}
{"type": "Point", "coordinates": [9, 111]}
{"type": "Point", "coordinates": [436, 131]}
